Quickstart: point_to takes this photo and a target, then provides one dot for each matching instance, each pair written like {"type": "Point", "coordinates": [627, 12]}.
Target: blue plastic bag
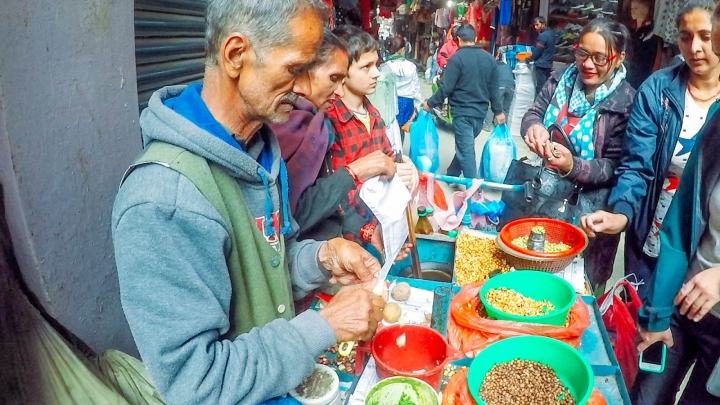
{"type": "Point", "coordinates": [424, 143]}
{"type": "Point", "coordinates": [499, 151]}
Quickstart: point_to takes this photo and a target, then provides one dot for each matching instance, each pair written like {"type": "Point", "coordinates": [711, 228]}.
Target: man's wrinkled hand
{"type": "Point", "coordinates": [354, 313]}
{"type": "Point", "coordinates": [348, 261]}
{"type": "Point", "coordinates": [700, 294]}
{"type": "Point", "coordinates": [374, 164]}
{"type": "Point", "coordinates": [603, 222]}
{"type": "Point", "coordinates": [409, 175]}
{"type": "Point", "coordinates": [426, 107]}
{"type": "Point", "coordinates": [500, 118]}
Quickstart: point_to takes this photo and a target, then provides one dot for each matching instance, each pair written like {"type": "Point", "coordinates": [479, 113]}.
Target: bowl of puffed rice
{"type": "Point", "coordinates": [560, 243]}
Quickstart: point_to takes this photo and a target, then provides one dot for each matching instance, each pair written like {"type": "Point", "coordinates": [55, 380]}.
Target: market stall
{"type": "Point", "coordinates": [490, 306]}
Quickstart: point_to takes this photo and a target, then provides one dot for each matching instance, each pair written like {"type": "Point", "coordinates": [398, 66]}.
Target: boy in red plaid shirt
{"type": "Point", "coordinates": [359, 130]}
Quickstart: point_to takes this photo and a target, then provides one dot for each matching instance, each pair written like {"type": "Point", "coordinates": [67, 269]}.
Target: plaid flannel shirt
{"type": "Point", "coordinates": [352, 142]}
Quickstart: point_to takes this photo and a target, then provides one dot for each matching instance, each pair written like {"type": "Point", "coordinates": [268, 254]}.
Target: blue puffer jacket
{"type": "Point", "coordinates": [652, 133]}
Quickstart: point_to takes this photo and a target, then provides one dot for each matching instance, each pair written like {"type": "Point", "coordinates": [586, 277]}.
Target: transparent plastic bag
{"type": "Point", "coordinates": [499, 151]}
{"type": "Point", "coordinates": [424, 143]}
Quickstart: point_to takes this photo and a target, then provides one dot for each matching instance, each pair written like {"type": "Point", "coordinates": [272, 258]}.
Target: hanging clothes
{"type": "Point", "coordinates": [485, 31]}
{"type": "Point", "coordinates": [665, 19]}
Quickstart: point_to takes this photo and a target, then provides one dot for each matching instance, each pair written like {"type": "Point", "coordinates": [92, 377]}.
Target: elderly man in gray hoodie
{"type": "Point", "coordinates": [205, 247]}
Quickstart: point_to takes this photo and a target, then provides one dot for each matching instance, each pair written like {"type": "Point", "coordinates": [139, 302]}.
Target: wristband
{"type": "Point", "coordinates": [367, 231]}
{"type": "Point", "coordinates": [352, 174]}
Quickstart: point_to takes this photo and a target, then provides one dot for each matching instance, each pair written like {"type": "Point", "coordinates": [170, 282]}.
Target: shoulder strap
{"type": "Point", "coordinates": [193, 166]}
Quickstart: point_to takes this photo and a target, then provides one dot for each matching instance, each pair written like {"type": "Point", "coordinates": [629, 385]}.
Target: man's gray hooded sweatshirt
{"type": "Point", "coordinates": [171, 247]}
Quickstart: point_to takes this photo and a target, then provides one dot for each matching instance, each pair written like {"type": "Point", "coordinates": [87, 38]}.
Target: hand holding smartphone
{"type": "Point", "coordinates": [652, 359]}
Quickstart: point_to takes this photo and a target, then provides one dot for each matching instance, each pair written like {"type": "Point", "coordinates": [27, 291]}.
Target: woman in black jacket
{"type": "Point", "coordinates": [591, 100]}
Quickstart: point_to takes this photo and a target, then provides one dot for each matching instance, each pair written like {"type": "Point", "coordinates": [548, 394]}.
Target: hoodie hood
{"type": "Point", "coordinates": [160, 122]}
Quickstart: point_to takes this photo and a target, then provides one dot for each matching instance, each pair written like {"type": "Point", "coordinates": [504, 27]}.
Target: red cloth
{"type": "Point", "coordinates": [484, 22]}
{"type": "Point", "coordinates": [449, 48]}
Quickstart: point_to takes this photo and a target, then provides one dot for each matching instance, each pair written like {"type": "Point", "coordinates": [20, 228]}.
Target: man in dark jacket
{"type": "Point", "coordinates": [543, 53]}
{"type": "Point", "coordinates": [470, 83]}
{"type": "Point", "coordinates": [506, 87]}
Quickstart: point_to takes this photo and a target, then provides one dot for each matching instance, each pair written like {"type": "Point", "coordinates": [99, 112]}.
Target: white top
{"type": "Point", "coordinates": [692, 122]}
{"type": "Point", "coordinates": [407, 82]}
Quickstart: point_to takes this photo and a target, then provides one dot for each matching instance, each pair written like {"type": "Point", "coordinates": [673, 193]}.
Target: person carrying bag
{"type": "Point", "coordinates": [590, 101]}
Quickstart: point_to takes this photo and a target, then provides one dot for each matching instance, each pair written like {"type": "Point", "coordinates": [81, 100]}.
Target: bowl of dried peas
{"type": "Point", "coordinates": [530, 370]}
{"type": "Point", "coordinates": [562, 243]}
{"type": "Point", "coordinates": [528, 296]}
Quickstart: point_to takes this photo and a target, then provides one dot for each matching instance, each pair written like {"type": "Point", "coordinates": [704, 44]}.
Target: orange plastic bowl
{"type": "Point", "coordinates": [556, 231]}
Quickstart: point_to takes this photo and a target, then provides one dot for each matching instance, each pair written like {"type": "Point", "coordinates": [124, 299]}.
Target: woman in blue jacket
{"type": "Point", "coordinates": [681, 306]}
{"type": "Point", "coordinates": [670, 108]}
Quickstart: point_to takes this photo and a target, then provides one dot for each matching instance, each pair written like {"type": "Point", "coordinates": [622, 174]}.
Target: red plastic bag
{"type": "Point", "coordinates": [456, 392]}
{"type": "Point", "coordinates": [620, 318]}
{"type": "Point", "coordinates": [469, 332]}
{"type": "Point", "coordinates": [438, 195]}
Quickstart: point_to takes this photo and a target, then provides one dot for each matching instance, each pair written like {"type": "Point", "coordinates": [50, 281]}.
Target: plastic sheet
{"type": "Point", "coordinates": [470, 332]}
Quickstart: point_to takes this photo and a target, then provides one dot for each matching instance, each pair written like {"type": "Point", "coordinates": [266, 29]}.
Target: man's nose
{"type": "Point", "coordinates": [339, 91]}
{"type": "Point", "coordinates": [302, 85]}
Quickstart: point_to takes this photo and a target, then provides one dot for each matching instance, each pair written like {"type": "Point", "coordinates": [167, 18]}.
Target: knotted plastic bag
{"type": "Point", "coordinates": [456, 392]}
{"type": "Point", "coordinates": [498, 152]}
{"type": "Point", "coordinates": [470, 332]}
{"type": "Point", "coordinates": [424, 143]}
{"type": "Point", "coordinates": [619, 317]}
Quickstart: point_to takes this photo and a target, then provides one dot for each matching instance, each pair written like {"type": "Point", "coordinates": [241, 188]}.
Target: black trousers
{"type": "Point", "coordinates": [541, 76]}
{"type": "Point", "coordinates": [697, 342]}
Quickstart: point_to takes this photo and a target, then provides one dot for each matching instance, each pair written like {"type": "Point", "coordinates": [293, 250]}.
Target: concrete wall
{"type": "Point", "coordinates": [68, 130]}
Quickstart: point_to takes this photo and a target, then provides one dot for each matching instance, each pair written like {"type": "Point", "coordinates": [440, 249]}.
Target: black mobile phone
{"type": "Point", "coordinates": [652, 359]}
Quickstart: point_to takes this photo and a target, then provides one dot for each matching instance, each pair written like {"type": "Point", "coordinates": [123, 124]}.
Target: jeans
{"type": "Point", "coordinates": [466, 130]}
{"type": "Point", "coordinates": [697, 342]}
{"type": "Point", "coordinates": [541, 76]}
{"type": "Point", "coordinates": [506, 97]}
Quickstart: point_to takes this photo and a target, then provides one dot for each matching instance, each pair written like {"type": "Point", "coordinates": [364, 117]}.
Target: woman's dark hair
{"type": "Point", "coordinates": [692, 5]}
{"type": "Point", "coordinates": [616, 35]}
{"type": "Point", "coordinates": [330, 43]}
{"type": "Point", "coordinates": [357, 42]}
{"type": "Point", "coordinates": [395, 44]}
{"type": "Point", "coordinates": [466, 33]}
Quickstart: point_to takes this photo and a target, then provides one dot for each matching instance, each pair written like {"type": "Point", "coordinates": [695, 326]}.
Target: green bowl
{"type": "Point", "coordinates": [537, 285]}
{"type": "Point", "coordinates": [390, 391]}
{"type": "Point", "coordinates": [569, 365]}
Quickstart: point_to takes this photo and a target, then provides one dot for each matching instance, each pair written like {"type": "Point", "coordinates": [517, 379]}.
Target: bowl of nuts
{"type": "Point", "coordinates": [528, 296]}
{"type": "Point", "coordinates": [543, 244]}
{"type": "Point", "coordinates": [530, 370]}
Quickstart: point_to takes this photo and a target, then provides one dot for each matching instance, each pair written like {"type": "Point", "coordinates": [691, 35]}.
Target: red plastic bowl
{"type": "Point", "coordinates": [425, 350]}
{"type": "Point", "coordinates": [556, 231]}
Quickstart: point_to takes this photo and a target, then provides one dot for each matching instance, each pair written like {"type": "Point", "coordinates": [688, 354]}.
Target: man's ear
{"type": "Point", "coordinates": [234, 53]}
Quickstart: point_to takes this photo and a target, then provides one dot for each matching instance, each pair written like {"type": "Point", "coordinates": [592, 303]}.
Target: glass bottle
{"type": "Point", "coordinates": [423, 226]}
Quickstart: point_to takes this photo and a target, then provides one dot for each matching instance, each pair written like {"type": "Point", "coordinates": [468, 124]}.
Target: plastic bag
{"type": "Point", "coordinates": [456, 392]}
{"type": "Point", "coordinates": [469, 332]}
{"type": "Point", "coordinates": [484, 213]}
{"type": "Point", "coordinates": [435, 192]}
{"type": "Point", "coordinates": [498, 152]}
{"type": "Point", "coordinates": [424, 143]}
{"type": "Point", "coordinates": [619, 317]}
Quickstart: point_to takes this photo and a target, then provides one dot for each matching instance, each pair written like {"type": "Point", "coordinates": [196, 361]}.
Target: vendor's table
{"type": "Point", "coordinates": [594, 345]}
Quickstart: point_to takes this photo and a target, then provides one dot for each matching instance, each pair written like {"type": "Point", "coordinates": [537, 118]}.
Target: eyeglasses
{"type": "Point", "coordinates": [598, 59]}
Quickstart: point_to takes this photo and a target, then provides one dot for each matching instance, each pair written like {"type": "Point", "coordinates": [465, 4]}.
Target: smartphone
{"type": "Point", "coordinates": [652, 359]}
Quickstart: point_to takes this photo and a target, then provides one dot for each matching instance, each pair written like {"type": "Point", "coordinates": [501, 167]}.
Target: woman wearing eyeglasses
{"type": "Point", "coordinates": [670, 108]}
{"type": "Point", "coordinates": [591, 100]}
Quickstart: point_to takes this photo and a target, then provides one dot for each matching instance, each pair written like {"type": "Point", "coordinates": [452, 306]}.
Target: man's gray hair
{"type": "Point", "coordinates": [264, 22]}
